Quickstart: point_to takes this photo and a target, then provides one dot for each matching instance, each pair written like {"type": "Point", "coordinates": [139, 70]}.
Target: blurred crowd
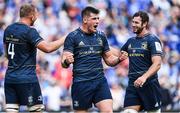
{"type": "Point", "coordinates": [59, 17]}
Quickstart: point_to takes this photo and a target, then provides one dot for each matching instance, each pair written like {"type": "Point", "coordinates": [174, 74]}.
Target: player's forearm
{"type": "Point", "coordinates": [152, 70]}
{"type": "Point", "coordinates": [50, 46]}
{"type": "Point", "coordinates": [55, 45]}
{"type": "Point", "coordinates": [112, 61]}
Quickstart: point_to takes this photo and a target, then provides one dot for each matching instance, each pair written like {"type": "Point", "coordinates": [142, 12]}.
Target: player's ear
{"type": "Point", "coordinates": [85, 20]}
{"type": "Point", "coordinates": [32, 17]}
{"type": "Point", "coordinates": [145, 24]}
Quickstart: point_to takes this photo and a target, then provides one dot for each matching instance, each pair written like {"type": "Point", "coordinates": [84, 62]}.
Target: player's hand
{"type": "Point", "coordinates": [140, 81]}
{"type": "Point", "coordinates": [69, 58]}
{"type": "Point", "coordinates": [123, 56]}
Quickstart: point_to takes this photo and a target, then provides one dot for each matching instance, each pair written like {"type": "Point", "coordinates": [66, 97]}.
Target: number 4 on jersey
{"type": "Point", "coordinates": [11, 50]}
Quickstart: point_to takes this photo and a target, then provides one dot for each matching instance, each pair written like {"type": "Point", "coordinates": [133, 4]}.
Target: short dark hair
{"type": "Point", "coordinates": [87, 10]}
{"type": "Point", "coordinates": [26, 10]}
{"type": "Point", "coordinates": [144, 16]}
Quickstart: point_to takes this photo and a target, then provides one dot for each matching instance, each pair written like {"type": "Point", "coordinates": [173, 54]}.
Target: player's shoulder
{"type": "Point", "coordinates": [131, 39]}
{"type": "Point", "coordinates": [11, 26]}
{"type": "Point", "coordinates": [100, 33]}
{"type": "Point", "coordinates": [17, 26]}
{"type": "Point", "coordinates": [73, 33]}
{"type": "Point", "coordinates": [32, 29]}
{"type": "Point", "coordinates": [152, 37]}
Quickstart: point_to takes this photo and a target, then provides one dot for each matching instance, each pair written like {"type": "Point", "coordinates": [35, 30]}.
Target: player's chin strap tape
{"type": "Point", "coordinates": [36, 108]}
{"type": "Point", "coordinates": [12, 107]}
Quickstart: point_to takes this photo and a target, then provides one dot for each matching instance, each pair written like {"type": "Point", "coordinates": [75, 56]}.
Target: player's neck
{"type": "Point", "coordinates": [143, 33]}
{"type": "Point", "coordinates": [25, 21]}
{"type": "Point", "coordinates": [84, 29]}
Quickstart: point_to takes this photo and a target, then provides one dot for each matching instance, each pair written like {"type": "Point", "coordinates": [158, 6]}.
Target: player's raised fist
{"type": "Point", "coordinates": [69, 58]}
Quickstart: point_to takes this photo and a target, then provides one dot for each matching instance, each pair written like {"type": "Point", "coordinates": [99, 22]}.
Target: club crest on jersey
{"type": "Point", "coordinates": [144, 45]}
{"type": "Point", "coordinates": [99, 40]}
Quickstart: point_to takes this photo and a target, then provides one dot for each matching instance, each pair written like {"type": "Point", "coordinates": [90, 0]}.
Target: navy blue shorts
{"type": "Point", "coordinates": [148, 96]}
{"type": "Point", "coordinates": [86, 93]}
{"type": "Point", "coordinates": [23, 94]}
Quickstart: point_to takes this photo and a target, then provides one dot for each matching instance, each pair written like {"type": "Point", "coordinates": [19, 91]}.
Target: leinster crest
{"type": "Point", "coordinates": [99, 40]}
{"type": "Point", "coordinates": [144, 45]}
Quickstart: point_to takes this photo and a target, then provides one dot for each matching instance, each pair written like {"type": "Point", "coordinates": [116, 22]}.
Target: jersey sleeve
{"type": "Point", "coordinates": [125, 46]}
{"type": "Point", "coordinates": [69, 43]}
{"type": "Point", "coordinates": [35, 38]}
{"type": "Point", "coordinates": [105, 43]}
{"type": "Point", "coordinates": [155, 46]}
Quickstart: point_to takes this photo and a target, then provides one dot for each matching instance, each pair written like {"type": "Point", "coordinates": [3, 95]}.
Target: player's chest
{"type": "Point", "coordinates": [137, 46]}
{"type": "Point", "coordinates": [89, 42]}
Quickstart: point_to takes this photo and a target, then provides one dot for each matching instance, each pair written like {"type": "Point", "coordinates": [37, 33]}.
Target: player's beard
{"type": "Point", "coordinates": [139, 30]}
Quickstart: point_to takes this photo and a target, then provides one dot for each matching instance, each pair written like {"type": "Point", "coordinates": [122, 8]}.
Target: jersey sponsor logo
{"type": "Point", "coordinates": [90, 52]}
{"type": "Point", "coordinates": [12, 39]}
{"type": "Point", "coordinates": [158, 46]}
{"type": "Point", "coordinates": [136, 55]}
{"type": "Point", "coordinates": [81, 43]}
{"type": "Point", "coordinates": [144, 45]}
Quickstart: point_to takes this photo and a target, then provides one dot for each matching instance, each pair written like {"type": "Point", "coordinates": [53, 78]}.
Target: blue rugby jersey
{"type": "Point", "coordinates": [140, 50]}
{"type": "Point", "coordinates": [87, 50]}
{"type": "Point", "coordinates": [21, 41]}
